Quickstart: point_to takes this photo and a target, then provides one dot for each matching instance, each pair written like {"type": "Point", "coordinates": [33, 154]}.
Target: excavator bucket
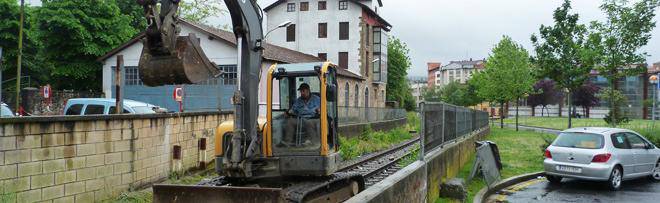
{"type": "Point", "coordinates": [186, 65]}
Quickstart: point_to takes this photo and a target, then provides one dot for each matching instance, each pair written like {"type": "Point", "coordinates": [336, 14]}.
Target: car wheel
{"type": "Point", "coordinates": [554, 179]}
{"type": "Point", "coordinates": [616, 177]}
{"type": "Point", "coordinates": [655, 175]}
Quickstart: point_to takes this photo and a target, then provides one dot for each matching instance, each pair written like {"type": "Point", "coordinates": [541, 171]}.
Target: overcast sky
{"type": "Point", "coordinates": [446, 30]}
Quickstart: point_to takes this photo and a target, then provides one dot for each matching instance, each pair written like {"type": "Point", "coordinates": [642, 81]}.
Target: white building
{"type": "Point", "coordinates": [460, 71]}
{"type": "Point", "coordinates": [349, 33]}
{"type": "Point", "coordinates": [220, 47]}
{"type": "Point", "coordinates": [418, 88]}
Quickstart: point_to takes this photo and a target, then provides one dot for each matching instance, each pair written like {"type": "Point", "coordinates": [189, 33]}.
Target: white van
{"type": "Point", "coordinates": [5, 112]}
{"type": "Point", "coordinates": [102, 106]}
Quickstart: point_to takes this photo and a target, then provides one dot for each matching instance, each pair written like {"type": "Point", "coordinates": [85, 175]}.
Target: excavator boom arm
{"type": "Point", "coordinates": [168, 58]}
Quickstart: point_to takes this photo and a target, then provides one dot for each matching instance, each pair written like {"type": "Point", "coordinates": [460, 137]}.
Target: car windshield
{"type": "Point", "coordinates": [579, 140]}
{"type": "Point", "coordinates": [143, 109]}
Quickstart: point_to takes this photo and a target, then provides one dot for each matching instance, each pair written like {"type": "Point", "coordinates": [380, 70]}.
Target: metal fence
{"type": "Point", "coordinates": [355, 115]}
{"type": "Point", "coordinates": [445, 122]}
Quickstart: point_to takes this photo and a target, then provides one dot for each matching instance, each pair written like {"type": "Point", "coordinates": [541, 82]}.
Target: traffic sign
{"type": "Point", "coordinates": [178, 94]}
{"type": "Point", "coordinates": [46, 92]}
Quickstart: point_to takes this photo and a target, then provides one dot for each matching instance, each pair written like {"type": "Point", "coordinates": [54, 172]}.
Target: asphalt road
{"type": "Point", "coordinates": [540, 190]}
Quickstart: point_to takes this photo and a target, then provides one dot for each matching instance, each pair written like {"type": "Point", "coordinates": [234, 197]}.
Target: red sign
{"type": "Point", "coordinates": [46, 92]}
{"type": "Point", "coordinates": [178, 94]}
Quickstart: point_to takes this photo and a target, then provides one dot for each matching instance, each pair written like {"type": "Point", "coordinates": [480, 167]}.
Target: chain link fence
{"type": "Point", "coordinates": [445, 122]}
{"type": "Point", "coordinates": [356, 115]}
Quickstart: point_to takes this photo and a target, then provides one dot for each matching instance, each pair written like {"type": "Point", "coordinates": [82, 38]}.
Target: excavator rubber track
{"type": "Point", "coordinates": [334, 188]}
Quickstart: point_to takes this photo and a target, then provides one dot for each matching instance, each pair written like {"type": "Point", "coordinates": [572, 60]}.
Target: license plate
{"type": "Point", "coordinates": [569, 169]}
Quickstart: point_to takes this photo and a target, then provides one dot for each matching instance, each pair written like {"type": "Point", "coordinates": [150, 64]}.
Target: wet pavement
{"type": "Point", "coordinates": [571, 190]}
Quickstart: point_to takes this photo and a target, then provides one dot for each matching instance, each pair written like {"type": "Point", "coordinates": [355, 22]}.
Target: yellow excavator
{"type": "Point", "coordinates": [286, 157]}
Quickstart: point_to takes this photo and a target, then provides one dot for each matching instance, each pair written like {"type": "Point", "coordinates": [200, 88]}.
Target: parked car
{"type": "Point", "coordinates": [6, 112]}
{"type": "Point", "coordinates": [102, 106]}
{"type": "Point", "coordinates": [601, 154]}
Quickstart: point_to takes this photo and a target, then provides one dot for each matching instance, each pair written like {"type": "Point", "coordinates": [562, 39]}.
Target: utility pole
{"type": "Point", "coordinates": [119, 98]}
{"type": "Point", "coordinates": [0, 81]}
{"type": "Point", "coordinates": [20, 54]}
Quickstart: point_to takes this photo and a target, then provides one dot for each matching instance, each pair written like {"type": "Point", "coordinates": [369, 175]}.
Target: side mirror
{"type": "Point", "coordinates": [331, 92]}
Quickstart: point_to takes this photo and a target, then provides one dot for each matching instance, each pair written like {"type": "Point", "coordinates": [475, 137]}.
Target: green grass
{"type": "Point", "coordinates": [410, 158]}
{"type": "Point", "coordinates": [645, 127]}
{"type": "Point", "coordinates": [372, 141]}
{"type": "Point", "coordinates": [521, 152]}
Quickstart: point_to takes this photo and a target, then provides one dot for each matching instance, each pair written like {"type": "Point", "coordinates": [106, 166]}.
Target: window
{"type": "Point", "coordinates": [323, 30]}
{"type": "Point", "coordinates": [343, 60]}
{"type": "Point", "coordinates": [619, 141]}
{"type": "Point", "coordinates": [343, 31]}
{"type": "Point", "coordinates": [343, 5]}
{"type": "Point", "coordinates": [75, 109]}
{"type": "Point", "coordinates": [323, 56]}
{"type": "Point", "coordinates": [94, 109]}
{"type": "Point", "coordinates": [290, 7]}
{"type": "Point", "coordinates": [347, 94]}
{"type": "Point", "coordinates": [132, 75]}
{"type": "Point", "coordinates": [377, 68]}
{"type": "Point", "coordinates": [377, 40]}
{"type": "Point", "coordinates": [366, 97]}
{"type": "Point", "coordinates": [304, 6]}
{"type": "Point", "coordinates": [635, 141]}
{"type": "Point", "coordinates": [114, 108]}
{"type": "Point", "coordinates": [322, 5]}
{"type": "Point", "coordinates": [357, 96]}
{"type": "Point", "coordinates": [291, 33]}
{"type": "Point", "coordinates": [579, 140]}
{"type": "Point", "coordinates": [230, 75]}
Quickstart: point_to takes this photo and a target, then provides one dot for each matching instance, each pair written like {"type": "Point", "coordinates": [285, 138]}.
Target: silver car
{"type": "Point", "coordinates": [601, 154]}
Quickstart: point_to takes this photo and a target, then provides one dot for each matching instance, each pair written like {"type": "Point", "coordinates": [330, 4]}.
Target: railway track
{"type": "Point", "coordinates": [377, 166]}
{"type": "Point", "coordinates": [372, 167]}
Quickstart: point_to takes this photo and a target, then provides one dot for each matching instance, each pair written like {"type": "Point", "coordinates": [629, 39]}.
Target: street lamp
{"type": "Point", "coordinates": [281, 25]}
{"type": "Point", "coordinates": [654, 80]}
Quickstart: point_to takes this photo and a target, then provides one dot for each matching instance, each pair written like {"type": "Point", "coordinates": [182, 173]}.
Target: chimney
{"type": "Point", "coordinates": [470, 59]}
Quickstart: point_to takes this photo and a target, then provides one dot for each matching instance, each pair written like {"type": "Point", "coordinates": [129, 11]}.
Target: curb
{"type": "Point", "coordinates": [486, 192]}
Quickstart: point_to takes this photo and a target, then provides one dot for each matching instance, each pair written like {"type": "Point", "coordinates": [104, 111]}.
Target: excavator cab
{"type": "Point", "coordinates": [296, 127]}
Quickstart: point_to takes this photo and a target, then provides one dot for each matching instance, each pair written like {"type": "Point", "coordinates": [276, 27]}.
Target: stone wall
{"type": "Point", "coordinates": [420, 181]}
{"type": "Point", "coordinates": [94, 158]}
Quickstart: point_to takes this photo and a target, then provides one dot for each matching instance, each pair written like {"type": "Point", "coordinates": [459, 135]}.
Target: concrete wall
{"type": "Point", "coordinates": [444, 163]}
{"type": "Point", "coordinates": [93, 158]}
{"type": "Point", "coordinates": [420, 181]}
{"type": "Point", "coordinates": [351, 130]}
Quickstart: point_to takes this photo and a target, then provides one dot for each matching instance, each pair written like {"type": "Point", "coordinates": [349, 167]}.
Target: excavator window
{"type": "Point", "coordinates": [296, 131]}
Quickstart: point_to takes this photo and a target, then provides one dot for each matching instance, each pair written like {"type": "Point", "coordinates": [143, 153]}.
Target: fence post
{"type": "Point", "coordinates": [444, 124]}
{"type": "Point", "coordinates": [422, 133]}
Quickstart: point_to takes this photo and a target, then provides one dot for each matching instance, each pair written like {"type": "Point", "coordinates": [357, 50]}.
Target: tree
{"type": "Point", "coordinates": [586, 96]}
{"type": "Point", "coordinates": [398, 63]}
{"type": "Point", "coordinates": [565, 51]}
{"type": "Point", "coordinates": [199, 11]}
{"type": "Point", "coordinates": [626, 29]}
{"type": "Point", "coordinates": [618, 99]}
{"type": "Point", "coordinates": [433, 94]}
{"type": "Point", "coordinates": [545, 93]}
{"type": "Point", "coordinates": [507, 76]}
{"type": "Point", "coordinates": [32, 64]}
{"type": "Point", "coordinates": [135, 12]}
{"type": "Point", "coordinates": [75, 33]}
